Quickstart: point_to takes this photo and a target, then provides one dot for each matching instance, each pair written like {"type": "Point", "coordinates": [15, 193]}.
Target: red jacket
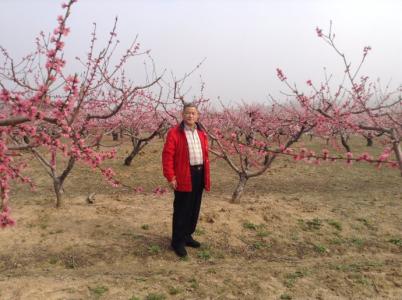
{"type": "Point", "coordinates": [176, 160]}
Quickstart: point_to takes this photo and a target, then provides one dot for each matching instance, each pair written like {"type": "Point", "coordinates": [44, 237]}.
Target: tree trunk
{"type": "Point", "coordinates": [345, 143]}
{"type": "Point", "coordinates": [58, 191]}
{"type": "Point", "coordinates": [398, 154]}
{"type": "Point", "coordinates": [115, 136]}
{"type": "Point", "coordinates": [239, 188]}
{"type": "Point", "coordinates": [369, 142]}
{"type": "Point", "coordinates": [136, 149]}
{"type": "Point", "coordinates": [59, 181]}
{"type": "Point", "coordinates": [129, 159]}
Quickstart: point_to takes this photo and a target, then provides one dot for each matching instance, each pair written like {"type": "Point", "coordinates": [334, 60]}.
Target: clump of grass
{"type": "Point", "coordinates": [290, 279]}
{"type": "Point", "coordinates": [396, 241]}
{"type": "Point", "coordinates": [98, 291]}
{"type": "Point", "coordinates": [43, 226]}
{"type": "Point", "coordinates": [132, 235]}
{"type": "Point", "coordinates": [260, 229]}
{"type": "Point", "coordinates": [336, 241]}
{"type": "Point", "coordinates": [314, 224]}
{"type": "Point", "coordinates": [70, 262]}
{"type": "Point", "coordinates": [337, 225]}
{"type": "Point", "coordinates": [320, 248]}
{"type": "Point", "coordinates": [193, 283]}
{"type": "Point", "coordinates": [366, 223]}
{"type": "Point", "coordinates": [358, 266]}
{"type": "Point", "coordinates": [359, 278]}
{"type": "Point", "coordinates": [199, 231]}
{"type": "Point", "coordinates": [154, 296]}
{"type": "Point", "coordinates": [204, 254]}
{"type": "Point", "coordinates": [262, 233]}
{"type": "Point", "coordinates": [173, 290]}
{"type": "Point", "coordinates": [259, 245]}
{"type": "Point", "coordinates": [357, 241]}
{"type": "Point", "coordinates": [140, 279]}
{"type": "Point", "coordinates": [249, 225]}
{"type": "Point", "coordinates": [154, 249]}
{"type": "Point", "coordinates": [185, 258]}
{"type": "Point", "coordinates": [53, 260]}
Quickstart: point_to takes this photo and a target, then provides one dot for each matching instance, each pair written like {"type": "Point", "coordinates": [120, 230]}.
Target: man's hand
{"type": "Point", "coordinates": [173, 184]}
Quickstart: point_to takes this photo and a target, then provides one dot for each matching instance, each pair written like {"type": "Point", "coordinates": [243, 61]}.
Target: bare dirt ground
{"type": "Point", "coordinates": [301, 231]}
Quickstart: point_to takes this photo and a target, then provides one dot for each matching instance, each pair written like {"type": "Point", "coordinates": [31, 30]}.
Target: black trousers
{"type": "Point", "coordinates": [186, 209]}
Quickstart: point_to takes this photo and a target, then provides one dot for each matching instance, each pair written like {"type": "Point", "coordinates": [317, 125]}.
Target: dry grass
{"type": "Point", "coordinates": [301, 231]}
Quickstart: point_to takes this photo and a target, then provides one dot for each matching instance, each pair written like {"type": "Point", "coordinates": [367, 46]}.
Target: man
{"type": "Point", "coordinates": [186, 168]}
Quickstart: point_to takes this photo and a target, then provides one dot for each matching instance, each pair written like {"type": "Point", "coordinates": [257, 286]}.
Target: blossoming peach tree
{"type": "Point", "coordinates": [53, 115]}
{"type": "Point", "coordinates": [249, 138]}
{"type": "Point", "coordinates": [355, 106]}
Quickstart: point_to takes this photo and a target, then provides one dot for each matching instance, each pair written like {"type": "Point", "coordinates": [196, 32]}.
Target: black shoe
{"type": "Point", "coordinates": [192, 243]}
{"type": "Point", "coordinates": [180, 251]}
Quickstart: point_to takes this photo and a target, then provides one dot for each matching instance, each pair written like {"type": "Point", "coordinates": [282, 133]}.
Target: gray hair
{"type": "Point", "coordinates": [189, 104]}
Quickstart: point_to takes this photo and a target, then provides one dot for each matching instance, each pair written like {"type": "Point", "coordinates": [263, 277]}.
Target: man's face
{"type": "Point", "coordinates": [190, 116]}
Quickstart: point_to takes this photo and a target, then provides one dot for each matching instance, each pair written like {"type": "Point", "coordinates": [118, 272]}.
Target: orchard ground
{"type": "Point", "coordinates": [301, 231]}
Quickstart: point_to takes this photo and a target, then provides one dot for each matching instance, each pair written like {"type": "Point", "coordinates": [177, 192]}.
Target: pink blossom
{"type": "Point", "coordinates": [5, 219]}
{"type": "Point", "coordinates": [160, 191]}
{"type": "Point", "coordinates": [325, 153]}
{"type": "Point", "coordinates": [280, 75]}
{"type": "Point", "coordinates": [349, 156]}
{"type": "Point", "coordinates": [59, 45]}
{"type": "Point", "coordinates": [51, 53]}
{"type": "Point", "coordinates": [65, 31]}
{"type": "Point", "coordinates": [138, 189]}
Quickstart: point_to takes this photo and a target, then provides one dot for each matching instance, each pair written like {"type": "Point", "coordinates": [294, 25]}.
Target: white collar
{"type": "Point", "coordinates": [186, 127]}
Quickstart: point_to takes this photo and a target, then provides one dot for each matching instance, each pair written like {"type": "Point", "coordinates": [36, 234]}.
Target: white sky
{"type": "Point", "coordinates": [244, 41]}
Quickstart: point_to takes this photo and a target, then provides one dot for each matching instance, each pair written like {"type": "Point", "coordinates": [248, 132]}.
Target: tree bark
{"type": "Point", "coordinates": [396, 146]}
{"type": "Point", "coordinates": [239, 188]}
{"type": "Point", "coordinates": [345, 143]}
{"type": "Point", "coordinates": [129, 159]}
{"type": "Point", "coordinates": [138, 144]}
{"type": "Point", "coordinates": [59, 181]}
{"type": "Point", "coordinates": [398, 154]}
{"type": "Point", "coordinates": [57, 190]}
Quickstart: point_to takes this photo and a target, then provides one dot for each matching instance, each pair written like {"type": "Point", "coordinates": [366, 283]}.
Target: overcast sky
{"type": "Point", "coordinates": [243, 41]}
